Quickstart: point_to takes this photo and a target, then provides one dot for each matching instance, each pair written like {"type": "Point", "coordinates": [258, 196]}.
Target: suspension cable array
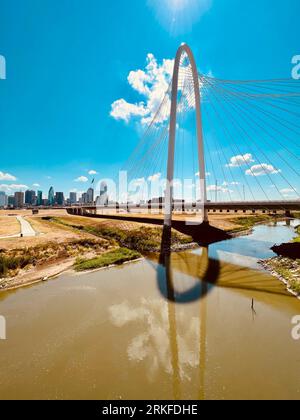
{"type": "Point", "coordinates": [251, 138]}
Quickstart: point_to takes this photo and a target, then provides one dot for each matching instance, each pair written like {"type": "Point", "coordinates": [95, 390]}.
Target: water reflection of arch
{"type": "Point", "coordinates": [172, 300]}
{"type": "Point", "coordinates": [209, 269]}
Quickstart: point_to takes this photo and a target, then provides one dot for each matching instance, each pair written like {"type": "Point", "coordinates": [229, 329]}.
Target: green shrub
{"type": "Point", "coordinates": [118, 256]}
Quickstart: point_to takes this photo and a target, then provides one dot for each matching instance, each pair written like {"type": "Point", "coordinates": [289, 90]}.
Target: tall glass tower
{"type": "Point", "coordinates": [51, 197]}
{"type": "Point", "coordinates": [39, 200]}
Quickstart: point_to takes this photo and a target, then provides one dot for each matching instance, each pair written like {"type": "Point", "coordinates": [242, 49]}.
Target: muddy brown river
{"type": "Point", "coordinates": [146, 331]}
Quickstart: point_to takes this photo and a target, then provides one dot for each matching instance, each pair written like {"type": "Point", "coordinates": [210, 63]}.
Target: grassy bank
{"type": "Point", "coordinates": [287, 264]}
{"type": "Point", "coordinates": [297, 239]}
{"type": "Point", "coordinates": [246, 223]}
{"type": "Point", "coordinates": [12, 261]}
{"type": "Point", "coordinates": [142, 239]}
{"type": "Point", "coordinates": [287, 269]}
{"type": "Point", "coordinates": [116, 257]}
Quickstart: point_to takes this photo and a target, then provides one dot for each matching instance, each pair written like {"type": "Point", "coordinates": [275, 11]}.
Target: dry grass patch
{"type": "Point", "coordinates": [9, 225]}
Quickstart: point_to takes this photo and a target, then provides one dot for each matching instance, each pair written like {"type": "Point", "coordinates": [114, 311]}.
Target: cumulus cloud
{"type": "Point", "coordinates": [36, 185]}
{"type": "Point", "coordinates": [10, 187]}
{"type": "Point", "coordinates": [240, 160]}
{"type": "Point", "coordinates": [7, 177]}
{"type": "Point", "coordinates": [123, 110]}
{"type": "Point", "coordinates": [93, 172]}
{"type": "Point", "coordinates": [81, 179]}
{"type": "Point", "coordinates": [263, 169]}
{"type": "Point", "coordinates": [152, 83]}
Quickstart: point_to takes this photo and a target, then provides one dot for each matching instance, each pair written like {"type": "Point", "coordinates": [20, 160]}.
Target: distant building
{"type": "Point", "coordinates": [44, 202]}
{"type": "Point", "coordinates": [73, 198]}
{"type": "Point", "coordinates": [90, 195]}
{"type": "Point", "coordinates": [59, 198]}
{"type": "Point", "coordinates": [84, 198]}
{"type": "Point", "coordinates": [103, 199]}
{"type": "Point", "coordinates": [11, 201]}
{"type": "Point", "coordinates": [51, 198]}
{"type": "Point", "coordinates": [19, 199]}
{"type": "Point", "coordinates": [39, 199]}
{"type": "Point", "coordinates": [30, 197]}
{"type": "Point", "coordinates": [3, 199]}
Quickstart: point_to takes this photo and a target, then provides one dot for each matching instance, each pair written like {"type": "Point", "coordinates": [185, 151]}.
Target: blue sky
{"type": "Point", "coordinates": [68, 62]}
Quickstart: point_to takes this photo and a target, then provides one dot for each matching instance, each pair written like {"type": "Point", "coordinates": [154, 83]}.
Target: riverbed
{"type": "Point", "coordinates": [185, 329]}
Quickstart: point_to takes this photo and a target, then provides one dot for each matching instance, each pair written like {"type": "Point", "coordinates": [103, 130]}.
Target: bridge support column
{"type": "Point", "coordinates": [288, 213]}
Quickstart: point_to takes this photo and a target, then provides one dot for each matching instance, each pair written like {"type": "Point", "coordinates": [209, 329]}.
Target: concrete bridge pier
{"type": "Point", "coordinates": [288, 214]}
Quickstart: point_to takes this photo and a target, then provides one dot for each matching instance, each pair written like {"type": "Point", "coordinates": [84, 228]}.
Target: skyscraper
{"type": "Point", "coordinates": [39, 200]}
{"type": "Point", "coordinates": [19, 199]}
{"type": "Point", "coordinates": [51, 199]}
{"type": "Point", "coordinates": [30, 197]}
{"type": "Point", "coordinates": [103, 199]}
{"type": "Point", "coordinates": [59, 198]}
{"type": "Point", "coordinates": [11, 201]}
{"type": "Point", "coordinates": [84, 198]}
{"type": "Point", "coordinates": [73, 198]}
{"type": "Point", "coordinates": [3, 199]}
{"type": "Point", "coordinates": [90, 195]}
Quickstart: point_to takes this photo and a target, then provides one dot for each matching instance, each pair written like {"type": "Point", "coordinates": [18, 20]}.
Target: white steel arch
{"type": "Point", "coordinates": [184, 49]}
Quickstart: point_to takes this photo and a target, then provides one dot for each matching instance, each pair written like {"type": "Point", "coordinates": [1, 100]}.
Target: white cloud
{"type": "Point", "coordinates": [263, 169]}
{"type": "Point", "coordinates": [154, 177]}
{"type": "Point", "coordinates": [152, 83]}
{"type": "Point", "coordinates": [81, 179]}
{"type": "Point", "coordinates": [7, 177]}
{"type": "Point", "coordinates": [288, 191]}
{"type": "Point", "coordinates": [10, 187]}
{"type": "Point", "coordinates": [36, 185]}
{"type": "Point", "coordinates": [93, 172]}
{"type": "Point", "coordinates": [226, 184]}
{"type": "Point", "coordinates": [214, 188]}
{"type": "Point", "coordinates": [123, 110]}
{"type": "Point", "coordinates": [240, 160]}
{"type": "Point", "coordinates": [206, 174]}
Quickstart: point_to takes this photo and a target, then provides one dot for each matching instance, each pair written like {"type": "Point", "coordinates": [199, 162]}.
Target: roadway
{"type": "Point", "coordinates": [26, 230]}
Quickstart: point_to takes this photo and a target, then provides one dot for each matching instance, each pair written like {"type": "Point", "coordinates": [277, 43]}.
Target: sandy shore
{"type": "Point", "coordinates": [37, 274]}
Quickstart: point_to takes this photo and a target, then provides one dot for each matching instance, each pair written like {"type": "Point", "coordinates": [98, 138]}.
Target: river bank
{"type": "Point", "coordinates": [286, 266]}
{"type": "Point", "coordinates": [94, 248]}
{"type": "Point", "coordinates": [98, 244]}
